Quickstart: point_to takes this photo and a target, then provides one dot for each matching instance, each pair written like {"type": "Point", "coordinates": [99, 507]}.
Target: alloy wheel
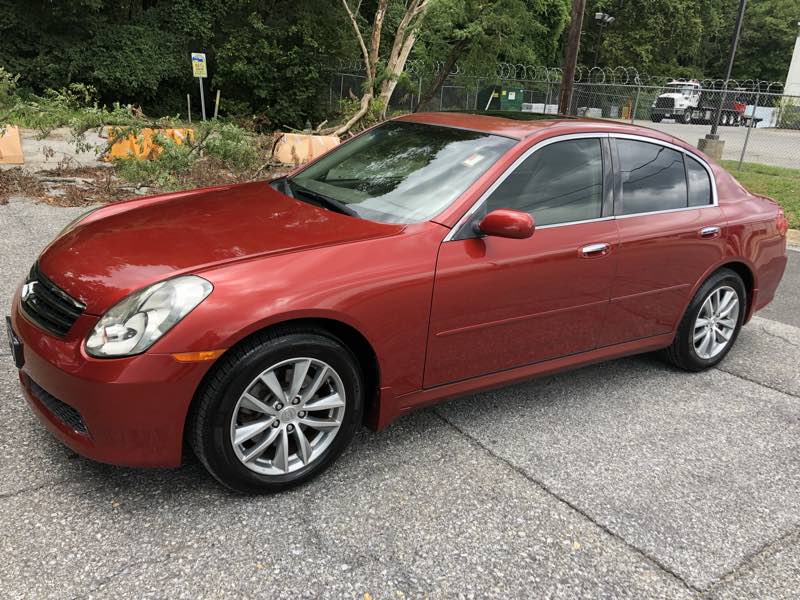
{"type": "Point", "coordinates": [716, 322]}
{"type": "Point", "coordinates": [287, 416]}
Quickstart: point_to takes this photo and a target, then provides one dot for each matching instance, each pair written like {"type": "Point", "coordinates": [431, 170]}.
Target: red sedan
{"type": "Point", "coordinates": [431, 256]}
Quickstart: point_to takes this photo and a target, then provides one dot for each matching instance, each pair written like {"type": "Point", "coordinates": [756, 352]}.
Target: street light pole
{"type": "Point", "coordinates": [603, 20]}
{"type": "Point", "coordinates": [734, 43]}
{"type": "Point", "coordinates": [711, 144]}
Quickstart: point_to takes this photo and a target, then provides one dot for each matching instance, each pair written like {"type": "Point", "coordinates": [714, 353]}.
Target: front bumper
{"type": "Point", "coordinates": [667, 111]}
{"type": "Point", "coordinates": [132, 409]}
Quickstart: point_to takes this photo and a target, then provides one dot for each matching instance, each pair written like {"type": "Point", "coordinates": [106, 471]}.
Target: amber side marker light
{"type": "Point", "coordinates": [197, 356]}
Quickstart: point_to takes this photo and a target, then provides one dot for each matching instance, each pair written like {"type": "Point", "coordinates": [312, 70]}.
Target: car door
{"type": "Point", "coordinates": [670, 234]}
{"type": "Point", "coordinates": [501, 303]}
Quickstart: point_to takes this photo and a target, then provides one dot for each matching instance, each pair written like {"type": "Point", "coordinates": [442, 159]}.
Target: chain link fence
{"type": "Point", "coordinates": [757, 121]}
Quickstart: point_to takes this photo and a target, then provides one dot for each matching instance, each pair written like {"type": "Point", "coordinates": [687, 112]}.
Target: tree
{"type": "Point", "coordinates": [405, 35]}
{"type": "Point", "coordinates": [478, 33]}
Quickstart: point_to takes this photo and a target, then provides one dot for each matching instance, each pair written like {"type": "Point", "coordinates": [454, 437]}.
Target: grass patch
{"type": "Point", "coordinates": [779, 183]}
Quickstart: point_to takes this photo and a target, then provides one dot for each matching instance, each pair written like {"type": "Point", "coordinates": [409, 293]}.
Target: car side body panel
{"type": "Point", "coordinates": [502, 303]}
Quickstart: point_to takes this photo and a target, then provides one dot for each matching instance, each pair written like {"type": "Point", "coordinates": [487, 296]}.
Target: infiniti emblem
{"type": "Point", "coordinates": [27, 290]}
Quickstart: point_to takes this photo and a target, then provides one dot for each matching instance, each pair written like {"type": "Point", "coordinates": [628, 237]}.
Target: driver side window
{"type": "Point", "coordinates": [559, 183]}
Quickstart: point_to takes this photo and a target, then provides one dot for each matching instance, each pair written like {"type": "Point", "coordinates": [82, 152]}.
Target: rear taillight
{"type": "Point", "coordinates": [782, 223]}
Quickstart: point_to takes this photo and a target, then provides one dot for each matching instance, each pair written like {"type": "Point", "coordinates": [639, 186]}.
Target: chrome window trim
{"type": "Point", "coordinates": [576, 136]}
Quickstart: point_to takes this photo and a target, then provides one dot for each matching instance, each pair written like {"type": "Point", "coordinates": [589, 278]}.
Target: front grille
{"type": "Point", "coordinates": [63, 412]}
{"type": "Point", "coordinates": [665, 102]}
{"type": "Point", "coordinates": [49, 306]}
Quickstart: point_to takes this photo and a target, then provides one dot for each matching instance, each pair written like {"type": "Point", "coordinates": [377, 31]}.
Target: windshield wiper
{"type": "Point", "coordinates": [327, 201]}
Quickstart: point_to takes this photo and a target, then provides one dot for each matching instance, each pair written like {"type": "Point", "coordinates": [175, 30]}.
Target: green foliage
{"type": "Point", "coordinates": [266, 56]}
{"type": "Point", "coordinates": [272, 58]}
{"type": "Point", "coordinates": [223, 146]}
{"type": "Point", "coordinates": [232, 145]}
{"type": "Point", "coordinates": [484, 32]}
{"type": "Point", "coordinates": [165, 171]}
{"type": "Point", "coordinates": [691, 38]}
{"type": "Point", "coordinates": [8, 88]}
{"type": "Point", "coordinates": [348, 107]}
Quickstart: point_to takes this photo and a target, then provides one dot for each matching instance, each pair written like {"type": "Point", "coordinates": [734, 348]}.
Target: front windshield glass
{"type": "Point", "coordinates": [400, 172]}
{"type": "Point", "coordinates": [686, 90]}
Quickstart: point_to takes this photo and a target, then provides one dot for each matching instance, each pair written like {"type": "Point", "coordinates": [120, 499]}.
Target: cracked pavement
{"type": "Point", "coordinates": [627, 479]}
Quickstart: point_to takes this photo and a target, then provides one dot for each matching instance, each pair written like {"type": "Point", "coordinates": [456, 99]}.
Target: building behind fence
{"type": "Point", "coordinates": [759, 122]}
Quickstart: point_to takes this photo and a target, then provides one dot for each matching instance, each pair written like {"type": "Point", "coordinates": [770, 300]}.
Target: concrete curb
{"type": "Point", "coordinates": [793, 237]}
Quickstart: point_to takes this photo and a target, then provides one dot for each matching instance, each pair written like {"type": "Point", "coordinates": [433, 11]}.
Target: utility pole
{"type": "Point", "coordinates": [737, 30]}
{"type": "Point", "coordinates": [571, 55]}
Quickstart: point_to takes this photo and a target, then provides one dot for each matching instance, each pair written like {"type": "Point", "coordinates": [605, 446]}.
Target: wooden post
{"type": "Point", "coordinates": [216, 105]}
{"type": "Point", "coordinates": [189, 107]}
{"type": "Point", "coordinates": [571, 55]}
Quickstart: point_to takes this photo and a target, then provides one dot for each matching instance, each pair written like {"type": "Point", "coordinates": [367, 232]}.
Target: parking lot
{"type": "Point", "coordinates": [769, 146]}
{"type": "Point", "coordinates": [622, 480]}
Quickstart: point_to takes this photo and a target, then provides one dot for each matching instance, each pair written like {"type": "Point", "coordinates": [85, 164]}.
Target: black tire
{"type": "Point", "coordinates": [687, 116]}
{"type": "Point", "coordinates": [656, 118]}
{"type": "Point", "coordinates": [682, 352]}
{"type": "Point", "coordinates": [208, 427]}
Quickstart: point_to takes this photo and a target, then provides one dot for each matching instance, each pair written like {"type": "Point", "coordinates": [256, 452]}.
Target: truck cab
{"type": "Point", "coordinates": [679, 100]}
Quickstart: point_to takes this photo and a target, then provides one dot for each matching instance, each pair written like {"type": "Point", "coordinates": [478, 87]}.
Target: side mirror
{"type": "Point", "coordinates": [507, 223]}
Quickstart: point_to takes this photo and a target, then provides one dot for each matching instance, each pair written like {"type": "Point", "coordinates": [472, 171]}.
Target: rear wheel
{"type": "Point", "coordinates": [277, 411]}
{"type": "Point", "coordinates": [711, 324]}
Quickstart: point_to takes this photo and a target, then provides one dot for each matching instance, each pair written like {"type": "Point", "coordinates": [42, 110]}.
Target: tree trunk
{"type": "Point", "coordinates": [362, 110]}
{"type": "Point", "coordinates": [404, 39]}
{"type": "Point", "coordinates": [441, 77]}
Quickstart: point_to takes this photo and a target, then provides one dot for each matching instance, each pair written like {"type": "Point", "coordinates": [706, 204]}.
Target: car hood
{"type": "Point", "coordinates": [126, 246]}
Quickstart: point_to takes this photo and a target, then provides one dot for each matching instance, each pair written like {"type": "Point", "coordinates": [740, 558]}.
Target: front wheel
{"type": "Point", "coordinates": [277, 410]}
{"type": "Point", "coordinates": [687, 116]}
{"type": "Point", "coordinates": [711, 324]}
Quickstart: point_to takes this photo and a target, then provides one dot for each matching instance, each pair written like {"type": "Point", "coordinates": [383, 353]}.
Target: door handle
{"type": "Point", "coordinates": [594, 250]}
{"type": "Point", "coordinates": [709, 232]}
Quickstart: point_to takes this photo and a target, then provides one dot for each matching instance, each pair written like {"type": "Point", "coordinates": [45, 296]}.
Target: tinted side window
{"type": "Point", "coordinates": [559, 183]}
{"type": "Point", "coordinates": [652, 177]}
{"type": "Point", "coordinates": [699, 183]}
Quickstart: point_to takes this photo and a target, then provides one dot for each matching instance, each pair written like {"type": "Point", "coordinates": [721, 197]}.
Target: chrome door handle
{"type": "Point", "coordinates": [593, 250]}
{"type": "Point", "coordinates": [709, 232]}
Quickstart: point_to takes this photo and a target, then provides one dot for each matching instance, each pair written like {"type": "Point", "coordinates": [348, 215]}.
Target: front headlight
{"type": "Point", "coordinates": [134, 324]}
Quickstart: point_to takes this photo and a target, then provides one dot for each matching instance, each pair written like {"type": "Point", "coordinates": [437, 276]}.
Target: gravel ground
{"type": "Point", "coordinates": [623, 480]}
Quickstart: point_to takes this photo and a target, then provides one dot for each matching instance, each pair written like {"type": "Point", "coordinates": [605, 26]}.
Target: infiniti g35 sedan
{"type": "Point", "coordinates": [431, 256]}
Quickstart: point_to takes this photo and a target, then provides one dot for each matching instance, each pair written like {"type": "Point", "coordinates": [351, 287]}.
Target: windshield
{"type": "Point", "coordinates": [686, 90]}
{"type": "Point", "coordinates": [400, 172]}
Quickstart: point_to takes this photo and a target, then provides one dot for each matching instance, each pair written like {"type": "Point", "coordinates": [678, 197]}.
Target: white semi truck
{"type": "Point", "coordinates": [687, 102]}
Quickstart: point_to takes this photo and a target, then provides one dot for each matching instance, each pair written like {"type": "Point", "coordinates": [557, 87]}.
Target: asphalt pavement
{"type": "Point", "coordinates": [628, 479]}
{"type": "Point", "coordinates": [769, 146]}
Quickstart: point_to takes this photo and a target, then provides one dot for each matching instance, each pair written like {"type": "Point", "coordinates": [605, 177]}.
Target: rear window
{"type": "Point", "coordinates": [699, 183]}
{"type": "Point", "coordinates": [653, 177]}
{"type": "Point", "coordinates": [403, 172]}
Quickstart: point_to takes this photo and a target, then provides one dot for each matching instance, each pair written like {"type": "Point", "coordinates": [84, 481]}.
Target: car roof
{"type": "Point", "coordinates": [519, 125]}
